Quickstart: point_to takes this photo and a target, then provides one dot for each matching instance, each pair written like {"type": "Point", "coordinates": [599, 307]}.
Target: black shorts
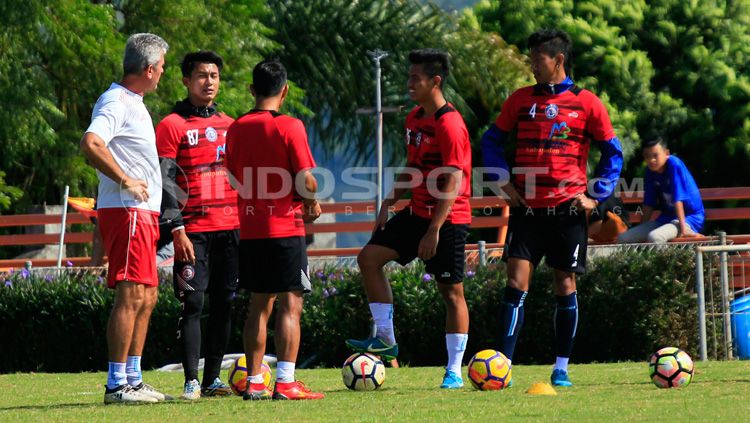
{"type": "Point", "coordinates": [216, 261]}
{"type": "Point", "coordinates": [560, 234]}
{"type": "Point", "coordinates": [273, 265]}
{"type": "Point", "coordinates": [405, 230]}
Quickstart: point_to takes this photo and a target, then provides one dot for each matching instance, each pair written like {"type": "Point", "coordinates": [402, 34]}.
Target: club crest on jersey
{"type": "Point", "coordinates": [211, 134]}
{"type": "Point", "coordinates": [551, 111]}
{"type": "Point", "coordinates": [188, 273]}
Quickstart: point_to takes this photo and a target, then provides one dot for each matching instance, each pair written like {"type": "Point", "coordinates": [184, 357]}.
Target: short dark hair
{"type": "Point", "coordinates": [192, 59]}
{"type": "Point", "coordinates": [269, 77]}
{"type": "Point", "coordinates": [552, 42]}
{"type": "Point", "coordinates": [653, 141]}
{"type": "Point", "coordinates": [434, 62]}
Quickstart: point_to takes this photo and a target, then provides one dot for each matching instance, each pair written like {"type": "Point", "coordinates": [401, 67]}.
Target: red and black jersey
{"type": "Point", "coordinates": [198, 145]}
{"type": "Point", "coordinates": [433, 142]}
{"type": "Point", "coordinates": [554, 134]}
{"type": "Point", "coordinates": [265, 152]}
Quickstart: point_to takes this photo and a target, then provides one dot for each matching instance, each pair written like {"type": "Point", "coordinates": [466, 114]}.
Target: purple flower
{"type": "Point", "coordinates": [9, 284]}
{"type": "Point", "coordinates": [426, 277]}
{"type": "Point", "coordinates": [470, 274]}
{"type": "Point", "coordinates": [325, 293]}
{"type": "Point", "coordinates": [11, 272]}
{"type": "Point", "coordinates": [24, 273]}
{"type": "Point", "coordinates": [48, 278]}
{"type": "Point", "coordinates": [332, 291]}
{"type": "Point", "coordinates": [331, 277]}
{"type": "Point", "coordinates": [69, 263]}
{"type": "Point", "coordinates": [341, 276]}
{"type": "Point", "coordinates": [99, 280]}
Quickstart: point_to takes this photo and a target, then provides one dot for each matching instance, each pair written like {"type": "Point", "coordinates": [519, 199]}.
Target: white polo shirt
{"type": "Point", "coordinates": [120, 118]}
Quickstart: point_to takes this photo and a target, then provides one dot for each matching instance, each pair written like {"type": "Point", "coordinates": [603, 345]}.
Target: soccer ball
{"type": "Point", "coordinates": [238, 375]}
{"type": "Point", "coordinates": [489, 370]}
{"type": "Point", "coordinates": [363, 372]}
{"type": "Point", "coordinates": [670, 367]}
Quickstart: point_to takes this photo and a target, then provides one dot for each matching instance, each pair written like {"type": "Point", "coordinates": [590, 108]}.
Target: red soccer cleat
{"type": "Point", "coordinates": [257, 391]}
{"type": "Point", "coordinates": [294, 391]}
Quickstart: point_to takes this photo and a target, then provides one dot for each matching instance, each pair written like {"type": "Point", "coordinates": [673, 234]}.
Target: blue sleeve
{"type": "Point", "coordinates": [608, 170]}
{"type": "Point", "coordinates": [680, 191]}
{"type": "Point", "coordinates": [493, 152]}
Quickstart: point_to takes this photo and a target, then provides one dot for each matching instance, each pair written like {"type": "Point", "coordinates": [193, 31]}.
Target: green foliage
{"type": "Point", "coordinates": [331, 63]}
{"type": "Point", "coordinates": [630, 303]}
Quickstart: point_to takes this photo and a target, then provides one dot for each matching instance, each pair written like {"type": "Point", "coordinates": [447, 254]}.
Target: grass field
{"type": "Point", "coordinates": [603, 392]}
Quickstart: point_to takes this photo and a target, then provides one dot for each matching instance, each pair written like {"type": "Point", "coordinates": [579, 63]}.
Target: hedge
{"type": "Point", "coordinates": [631, 303]}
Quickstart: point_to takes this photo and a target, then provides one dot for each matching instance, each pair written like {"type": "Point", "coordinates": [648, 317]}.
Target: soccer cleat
{"type": "Point", "coordinates": [374, 346]}
{"type": "Point", "coordinates": [192, 390]}
{"type": "Point", "coordinates": [560, 377]}
{"type": "Point", "coordinates": [294, 391]}
{"type": "Point", "coordinates": [126, 394]}
{"type": "Point", "coordinates": [149, 390]}
{"type": "Point", "coordinates": [257, 392]}
{"type": "Point", "coordinates": [216, 389]}
{"type": "Point", "coordinates": [451, 380]}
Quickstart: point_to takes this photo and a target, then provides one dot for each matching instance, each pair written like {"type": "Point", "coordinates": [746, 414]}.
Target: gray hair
{"type": "Point", "coordinates": [142, 50]}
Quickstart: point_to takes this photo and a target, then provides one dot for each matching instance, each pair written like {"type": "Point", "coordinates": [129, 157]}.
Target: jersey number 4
{"type": "Point", "coordinates": [532, 111]}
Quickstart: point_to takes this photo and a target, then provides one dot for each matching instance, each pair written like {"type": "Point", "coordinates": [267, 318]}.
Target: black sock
{"type": "Point", "coordinates": [190, 332]}
{"type": "Point", "coordinates": [217, 333]}
{"type": "Point", "coordinates": [511, 319]}
{"type": "Point", "coordinates": [566, 323]}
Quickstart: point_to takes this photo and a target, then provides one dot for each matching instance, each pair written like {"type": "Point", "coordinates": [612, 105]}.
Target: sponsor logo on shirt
{"type": "Point", "coordinates": [573, 114]}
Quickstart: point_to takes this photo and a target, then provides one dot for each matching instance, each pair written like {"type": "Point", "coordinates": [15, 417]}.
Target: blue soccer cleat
{"type": "Point", "coordinates": [560, 377]}
{"type": "Point", "coordinates": [374, 346]}
{"type": "Point", "coordinates": [451, 380]}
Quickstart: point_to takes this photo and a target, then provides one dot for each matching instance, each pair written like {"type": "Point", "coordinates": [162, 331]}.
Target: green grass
{"type": "Point", "coordinates": [603, 392]}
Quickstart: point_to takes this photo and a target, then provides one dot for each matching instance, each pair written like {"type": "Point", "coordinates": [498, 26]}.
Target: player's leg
{"type": "Point", "coordinates": [190, 282]}
{"type": "Point", "coordinates": [567, 256]}
{"type": "Point", "coordinates": [118, 233]}
{"type": "Point", "coordinates": [448, 268]}
{"type": "Point", "coordinates": [397, 242]}
{"type": "Point", "coordinates": [223, 267]}
{"type": "Point", "coordinates": [566, 324]}
{"type": "Point", "coordinates": [291, 282]}
{"type": "Point", "coordinates": [523, 251]}
{"type": "Point", "coordinates": [254, 337]}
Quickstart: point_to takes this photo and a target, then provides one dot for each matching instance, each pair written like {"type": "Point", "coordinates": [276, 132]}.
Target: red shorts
{"type": "Point", "coordinates": [130, 237]}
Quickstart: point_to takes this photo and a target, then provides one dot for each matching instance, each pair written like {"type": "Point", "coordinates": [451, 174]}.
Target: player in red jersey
{"type": "Point", "coordinates": [555, 122]}
{"type": "Point", "coordinates": [120, 144]}
{"type": "Point", "coordinates": [268, 154]}
{"type": "Point", "coordinates": [434, 225]}
{"type": "Point", "coordinates": [191, 144]}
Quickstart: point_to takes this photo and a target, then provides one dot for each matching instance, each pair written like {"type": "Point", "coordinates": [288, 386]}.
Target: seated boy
{"type": "Point", "coordinates": [671, 189]}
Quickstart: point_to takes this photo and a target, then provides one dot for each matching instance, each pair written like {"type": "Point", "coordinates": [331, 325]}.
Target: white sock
{"type": "Point", "coordinates": [133, 369]}
{"type": "Point", "coordinates": [456, 345]}
{"type": "Point", "coordinates": [256, 378]}
{"type": "Point", "coordinates": [382, 314]}
{"type": "Point", "coordinates": [117, 375]}
{"type": "Point", "coordinates": [285, 371]}
{"type": "Point", "coordinates": [562, 363]}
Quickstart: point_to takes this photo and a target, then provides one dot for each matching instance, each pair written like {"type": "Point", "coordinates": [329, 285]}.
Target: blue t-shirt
{"type": "Point", "coordinates": [676, 183]}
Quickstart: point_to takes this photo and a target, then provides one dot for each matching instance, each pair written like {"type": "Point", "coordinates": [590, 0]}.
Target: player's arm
{"type": "Point", "coordinates": [493, 150]}
{"type": "Point", "coordinates": [608, 169]}
{"type": "Point", "coordinates": [96, 151]}
{"type": "Point", "coordinates": [679, 209]}
{"type": "Point", "coordinates": [449, 192]}
{"type": "Point", "coordinates": [311, 206]}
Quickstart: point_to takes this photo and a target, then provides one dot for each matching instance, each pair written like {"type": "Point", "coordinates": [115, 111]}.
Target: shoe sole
{"type": "Point", "coordinates": [279, 397]}
{"type": "Point", "coordinates": [216, 393]}
{"type": "Point", "coordinates": [253, 397]}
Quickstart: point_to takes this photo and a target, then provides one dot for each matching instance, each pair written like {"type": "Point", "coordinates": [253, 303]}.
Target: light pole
{"type": "Point", "coordinates": [376, 56]}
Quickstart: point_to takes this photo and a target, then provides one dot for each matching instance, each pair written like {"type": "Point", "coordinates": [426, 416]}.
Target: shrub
{"type": "Point", "coordinates": [631, 303]}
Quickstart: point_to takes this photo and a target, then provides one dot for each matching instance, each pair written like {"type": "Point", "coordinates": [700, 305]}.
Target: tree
{"type": "Point", "coordinates": [324, 44]}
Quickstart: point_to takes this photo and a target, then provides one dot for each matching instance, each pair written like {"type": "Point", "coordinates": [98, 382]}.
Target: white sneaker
{"type": "Point", "coordinates": [126, 394]}
{"type": "Point", "coordinates": [192, 390]}
{"type": "Point", "coordinates": [149, 390]}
